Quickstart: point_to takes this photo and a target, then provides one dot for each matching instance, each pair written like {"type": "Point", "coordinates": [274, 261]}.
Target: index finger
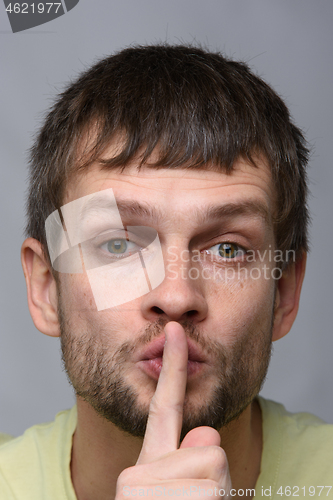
{"type": "Point", "coordinates": [166, 408]}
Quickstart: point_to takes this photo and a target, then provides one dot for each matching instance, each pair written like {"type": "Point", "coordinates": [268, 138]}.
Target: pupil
{"type": "Point", "coordinates": [117, 246]}
{"type": "Point", "coordinates": [227, 250]}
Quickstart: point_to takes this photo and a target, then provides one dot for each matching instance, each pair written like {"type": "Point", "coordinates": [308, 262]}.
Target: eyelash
{"type": "Point", "coordinates": [238, 248]}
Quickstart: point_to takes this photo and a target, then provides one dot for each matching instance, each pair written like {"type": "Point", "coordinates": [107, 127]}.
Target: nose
{"type": "Point", "coordinates": [179, 297]}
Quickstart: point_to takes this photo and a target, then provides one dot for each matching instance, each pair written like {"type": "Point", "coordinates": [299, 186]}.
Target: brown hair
{"type": "Point", "coordinates": [201, 109]}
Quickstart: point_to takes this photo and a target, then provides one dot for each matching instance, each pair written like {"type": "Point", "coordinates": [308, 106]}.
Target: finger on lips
{"type": "Point", "coordinates": [166, 409]}
{"type": "Point", "coordinates": [200, 462]}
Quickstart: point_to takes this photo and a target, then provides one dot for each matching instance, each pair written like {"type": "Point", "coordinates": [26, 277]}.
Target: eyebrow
{"type": "Point", "coordinates": [243, 208]}
{"type": "Point", "coordinates": [129, 208]}
{"type": "Point", "coordinates": [125, 208]}
{"type": "Point", "coordinates": [211, 213]}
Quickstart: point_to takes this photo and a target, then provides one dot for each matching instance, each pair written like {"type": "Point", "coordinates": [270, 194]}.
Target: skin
{"type": "Point", "coordinates": [104, 458]}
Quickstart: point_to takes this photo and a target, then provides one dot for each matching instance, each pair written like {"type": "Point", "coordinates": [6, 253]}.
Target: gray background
{"type": "Point", "coordinates": [289, 43]}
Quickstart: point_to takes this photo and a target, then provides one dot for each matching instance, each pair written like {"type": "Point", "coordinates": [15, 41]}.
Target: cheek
{"type": "Point", "coordinates": [82, 316]}
{"type": "Point", "coordinates": [241, 304]}
{"type": "Point", "coordinates": [76, 293]}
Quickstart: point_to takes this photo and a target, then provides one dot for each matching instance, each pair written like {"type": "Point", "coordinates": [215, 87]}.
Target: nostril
{"type": "Point", "coordinates": [157, 310]}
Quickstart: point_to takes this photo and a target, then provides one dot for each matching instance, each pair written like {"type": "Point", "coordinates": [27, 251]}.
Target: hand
{"type": "Point", "coordinates": [163, 466]}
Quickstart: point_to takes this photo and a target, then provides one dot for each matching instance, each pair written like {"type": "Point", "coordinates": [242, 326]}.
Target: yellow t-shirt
{"type": "Point", "coordinates": [4, 438]}
{"type": "Point", "coordinates": [297, 459]}
{"type": "Point", "coordinates": [36, 465]}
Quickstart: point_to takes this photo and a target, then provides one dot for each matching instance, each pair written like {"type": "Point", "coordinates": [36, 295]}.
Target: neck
{"type": "Point", "coordinates": [101, 452]}
{"type": "Point", "coordinates": [242, 442]}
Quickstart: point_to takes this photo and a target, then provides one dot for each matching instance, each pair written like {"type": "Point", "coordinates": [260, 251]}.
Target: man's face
{"type": "Point", "coordinates": [217, 239]}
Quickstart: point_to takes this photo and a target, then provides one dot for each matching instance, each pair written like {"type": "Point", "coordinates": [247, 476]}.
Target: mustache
{"type": "Point", "coordinates": [155, 330]}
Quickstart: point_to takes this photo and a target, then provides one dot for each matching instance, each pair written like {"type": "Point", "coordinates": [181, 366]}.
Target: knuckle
{"type": "Point", "coordinates": [162, 410]}
{"type": "Point", "coordinates": [155, 407]}
{"type": "Point", "coordinates": [217, 458]}
{"type": "Point", "coordinates": [126, 477]}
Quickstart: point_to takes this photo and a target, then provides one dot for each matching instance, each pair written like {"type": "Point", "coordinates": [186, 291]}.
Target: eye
{"type": "Point", "coordinates": [227, 250]}
{"type": "Point", "coordinates": [120, 247]}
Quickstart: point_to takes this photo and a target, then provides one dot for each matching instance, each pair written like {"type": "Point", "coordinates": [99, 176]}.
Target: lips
{"type": "Point", "coordinates": [150, 359]}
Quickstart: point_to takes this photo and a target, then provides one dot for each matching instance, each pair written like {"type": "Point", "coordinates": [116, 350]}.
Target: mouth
{"type": "Point", "coordinates": [150, 360]}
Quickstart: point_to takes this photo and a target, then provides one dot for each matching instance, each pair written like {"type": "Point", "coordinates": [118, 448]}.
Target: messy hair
{"type": "Point", "coordinates": [194, 109]}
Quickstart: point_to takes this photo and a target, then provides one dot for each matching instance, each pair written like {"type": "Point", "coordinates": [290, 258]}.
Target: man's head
{"type": "Point", "coordinates": [201, 150]}
{"type": "Point", "coordinates": [193, 109]}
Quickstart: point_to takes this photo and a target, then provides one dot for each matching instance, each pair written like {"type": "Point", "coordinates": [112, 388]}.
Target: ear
{"type": "Point", "coordinates": [288, 293]}
{"type": "Point", "coordinates": [41, 288]}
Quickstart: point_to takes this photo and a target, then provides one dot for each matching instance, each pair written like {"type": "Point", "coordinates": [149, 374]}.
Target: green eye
{"type": "Point", "coordinates": [228, 250]}
{"type": "Point", "coordinates": [117, 246]}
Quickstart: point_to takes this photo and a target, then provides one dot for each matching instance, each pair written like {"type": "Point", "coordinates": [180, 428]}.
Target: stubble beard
{"type": "Point", "coordinates": [97, 375]}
